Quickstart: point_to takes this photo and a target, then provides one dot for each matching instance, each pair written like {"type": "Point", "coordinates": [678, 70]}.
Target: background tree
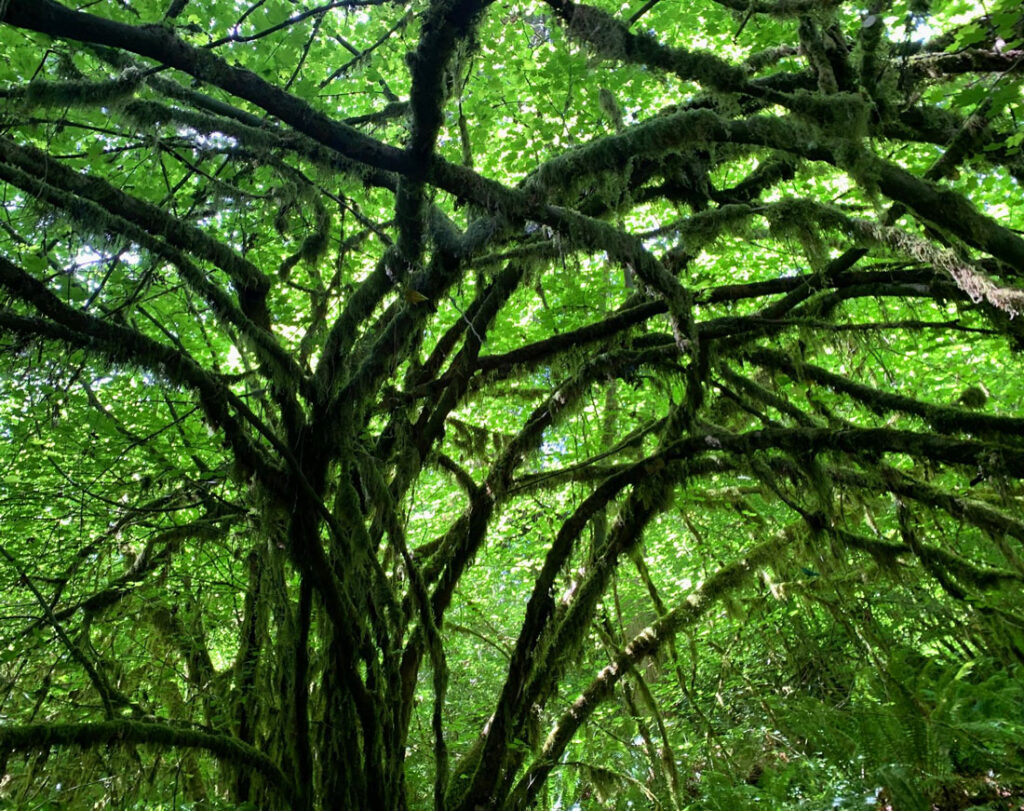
{"type": "Point", "coordinates": [461, 405]}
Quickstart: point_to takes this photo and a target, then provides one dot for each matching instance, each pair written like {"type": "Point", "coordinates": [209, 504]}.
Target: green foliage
{"type": "Point", "coordinates": [453, 405]}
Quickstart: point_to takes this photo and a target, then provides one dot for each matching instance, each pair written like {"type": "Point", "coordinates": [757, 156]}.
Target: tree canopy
{"type": "Point", "coordinates": [466, 405]}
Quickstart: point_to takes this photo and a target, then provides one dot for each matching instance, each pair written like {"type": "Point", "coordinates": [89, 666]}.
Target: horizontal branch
{"type": "Point", "coordinates": [990, 457]}
{"type": "Point", "coordinates": [972, 60]}
{"type": "Point", "coordinates": [40, 737]}
{"type": "Point", "coordinates": [943, 418]}
{"type": "Point", "coordinates": [164, 46]}
{"type": "Point", "coordinates": [869, 283]}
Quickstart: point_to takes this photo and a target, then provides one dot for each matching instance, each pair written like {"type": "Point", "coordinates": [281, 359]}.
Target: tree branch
{"type": "Point", "coordinates": [40, 737]}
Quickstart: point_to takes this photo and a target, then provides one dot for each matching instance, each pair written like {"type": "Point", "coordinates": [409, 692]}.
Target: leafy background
{"type": "Point", "coordinates": [818, 507]}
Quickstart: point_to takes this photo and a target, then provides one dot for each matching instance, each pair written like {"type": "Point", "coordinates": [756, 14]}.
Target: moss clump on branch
{"type": "Point", "coordinates": [610, 38]}
{"type": "Point", "coordinates": [41, 737]}
{"type": "Point", "coordinates": [79, 93]}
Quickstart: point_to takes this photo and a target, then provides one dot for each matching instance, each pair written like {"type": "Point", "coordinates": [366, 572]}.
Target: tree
{"type": "Point", "coordinates": [460, 405]}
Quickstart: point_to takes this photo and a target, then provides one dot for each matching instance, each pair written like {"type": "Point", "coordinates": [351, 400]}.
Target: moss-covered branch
{"type": "Point", "coordinates": [447, 25]}
{"type": "Point", "coordinates": [122, 345]}
{"type": "Point", "coordinates": [41, 737]}
{"type": "Point", "coordinates": [647, 642]}
{"type": "Point", "coordinates": [943, 418]}
{"type": "Point", "coordinates": [164, 46]}
{"type": "Point", "coordinates": [96, 204]}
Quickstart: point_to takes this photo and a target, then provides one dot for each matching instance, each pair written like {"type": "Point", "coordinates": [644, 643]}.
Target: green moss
{"type": "Point", "coordinates": [42, 93]}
